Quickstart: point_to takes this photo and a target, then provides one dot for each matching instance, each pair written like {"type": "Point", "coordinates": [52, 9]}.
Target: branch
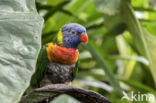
{"type": "Point", "coordinates": [51, 91]}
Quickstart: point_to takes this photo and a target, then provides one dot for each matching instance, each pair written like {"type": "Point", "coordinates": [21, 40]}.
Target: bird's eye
{"type": "Point", "coordinates": [73, 32]}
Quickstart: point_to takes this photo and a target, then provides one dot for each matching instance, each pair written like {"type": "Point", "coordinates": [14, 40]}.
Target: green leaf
{"type": "Point", "coordinates": [101, 62]}
{"type": "Point", "coordinates": [140, 3]}
{"type": "Point", "coordinates": [143, 40]}
{"type": "Point", "coordinates": [110, 7]}
{"type": "Point", "coordinates": [151, 29]}
{"type": "Point", "coordinates": [20, 40]}
{"type": "Point", "coordinates": [144, 9]}
{"type": "Point", "coordinates": [64, 99]}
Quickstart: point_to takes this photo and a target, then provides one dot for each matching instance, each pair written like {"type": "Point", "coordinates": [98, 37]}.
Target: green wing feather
{"type": "Point", "coordinates": [41, 67]}
{"type": "Point", "coordinates": [76, 69]}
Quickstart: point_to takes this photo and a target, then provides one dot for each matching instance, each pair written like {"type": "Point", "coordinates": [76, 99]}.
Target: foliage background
{"type": "Point", "coordinates": [120, 54]}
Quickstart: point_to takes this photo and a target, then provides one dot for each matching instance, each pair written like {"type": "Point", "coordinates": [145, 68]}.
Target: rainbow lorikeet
{"type": "Point", "coordinates": [58, 62]}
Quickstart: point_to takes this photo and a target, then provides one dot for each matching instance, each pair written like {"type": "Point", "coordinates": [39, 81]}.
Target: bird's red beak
{"type": "Point", "coordinates": [84, 38]}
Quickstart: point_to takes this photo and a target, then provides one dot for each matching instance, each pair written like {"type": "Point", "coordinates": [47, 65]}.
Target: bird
{"type": "Point", "coordinates": [58, 61]}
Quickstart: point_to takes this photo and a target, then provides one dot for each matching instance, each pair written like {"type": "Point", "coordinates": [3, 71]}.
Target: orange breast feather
{"type": "Point", "coordinates": [61, 54]}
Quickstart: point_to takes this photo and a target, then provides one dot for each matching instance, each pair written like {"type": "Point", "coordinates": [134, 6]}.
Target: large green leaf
{"type": "Point", "coordinates": [20, 38]}
{"type": "Point", "coordinates": [143, 40]}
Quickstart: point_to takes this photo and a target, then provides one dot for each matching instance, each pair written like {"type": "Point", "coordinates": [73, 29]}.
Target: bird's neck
{"type": "Point", "coordinates": [69, 46]}
{"type": "Point", "coordinates": [73, 46]}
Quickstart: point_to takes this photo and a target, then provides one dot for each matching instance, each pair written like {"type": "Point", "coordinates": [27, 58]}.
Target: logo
{"type": "Point", "coordinates": [138, 96]}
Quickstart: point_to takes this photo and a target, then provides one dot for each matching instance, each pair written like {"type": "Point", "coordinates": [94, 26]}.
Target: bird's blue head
{"type": "Point", "coordinates": [72, 35]}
